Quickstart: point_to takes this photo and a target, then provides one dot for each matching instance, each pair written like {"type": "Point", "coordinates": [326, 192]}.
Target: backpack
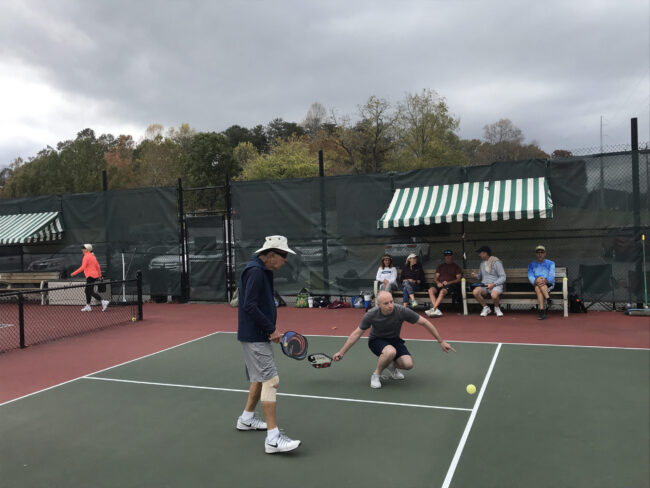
{"type": "Point", "coordinates": [321, 302]}
{"type": "Point", "coordinates": [279, 302]}
{"type": "Point", "coordinates": [576, 305]}
{"type": "Point", "coordinates": [302, 298]}
{"type": "Point", "coordinates": [338, 304]}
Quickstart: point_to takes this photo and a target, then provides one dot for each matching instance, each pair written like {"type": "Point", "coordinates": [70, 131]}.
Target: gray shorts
{"type": "Point", "coordinates": [258, 357]}
{"type": "Point", "coordinates": [498, 288]}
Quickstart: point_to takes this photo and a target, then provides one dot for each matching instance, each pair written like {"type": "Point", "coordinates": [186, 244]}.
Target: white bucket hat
{"type": "Point", "coordinates": [275, 242]}
{"type": "Point", "coordinates": [88, 247]}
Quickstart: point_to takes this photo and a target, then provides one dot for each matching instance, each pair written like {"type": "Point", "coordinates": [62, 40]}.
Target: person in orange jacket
{"type": "Point", "coordinates": [92, 272]}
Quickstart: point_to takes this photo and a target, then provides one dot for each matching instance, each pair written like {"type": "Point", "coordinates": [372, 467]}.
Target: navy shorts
{"type": "Point", "coordinates": [377, 345]}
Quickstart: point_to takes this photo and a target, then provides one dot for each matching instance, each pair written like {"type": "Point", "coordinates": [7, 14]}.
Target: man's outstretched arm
{"type": "Point", "coordinates": [354, 337]}
{"type": "Point", "coordinates": [434, 332]}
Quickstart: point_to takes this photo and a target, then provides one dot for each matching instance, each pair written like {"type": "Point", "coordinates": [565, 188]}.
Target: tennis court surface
{"type": "Point", "coordinates": [543, 415]}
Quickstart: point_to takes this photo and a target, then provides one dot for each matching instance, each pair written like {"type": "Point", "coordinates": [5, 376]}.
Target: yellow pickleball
{"type": "Point", "coordinates": [471, 389]}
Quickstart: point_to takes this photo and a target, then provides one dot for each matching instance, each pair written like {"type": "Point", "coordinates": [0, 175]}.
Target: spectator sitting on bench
{"type": "Point", "coordinates": [387, 274]}
{"type": "Point", "coordinates": [448, 277]}
{"type": "Point", "coordinates": [412, 279]}
{"type": "Point", "coordinates": [541, 274]}
{"type": "Point", "coordinates": [491, 278]}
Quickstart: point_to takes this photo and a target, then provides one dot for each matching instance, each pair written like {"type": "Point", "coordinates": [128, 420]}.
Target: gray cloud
{"type": "Point", "coordinates": [554, 68]}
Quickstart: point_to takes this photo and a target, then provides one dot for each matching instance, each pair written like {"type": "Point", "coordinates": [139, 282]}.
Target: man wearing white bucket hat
{"type": "Point", "coordinates": [256, 331]}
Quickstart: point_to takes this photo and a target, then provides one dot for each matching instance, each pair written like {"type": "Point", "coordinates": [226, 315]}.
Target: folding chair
{"type": "Point", "coordinates": [635, 286]}
{"type": "Point", "coordinates": [596, 280]}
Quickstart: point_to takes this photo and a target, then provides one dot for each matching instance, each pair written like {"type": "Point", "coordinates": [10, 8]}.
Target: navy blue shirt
{"type": "Point", "coordinates": [257, 310]}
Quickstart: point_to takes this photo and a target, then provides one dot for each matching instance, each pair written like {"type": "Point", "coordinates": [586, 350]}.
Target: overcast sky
{"type": "Point", "coordinates": [552, 67]}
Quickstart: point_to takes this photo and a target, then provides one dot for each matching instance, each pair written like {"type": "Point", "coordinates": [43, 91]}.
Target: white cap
{"type": "Point", "coordinates": [411, 256]}
{"type": "Point", "coordinates": [275, 242]}
{"type": "Point", "coordinates": [88, 247]}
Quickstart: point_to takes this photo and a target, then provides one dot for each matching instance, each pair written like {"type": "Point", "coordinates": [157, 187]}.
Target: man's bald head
{"type": "Point", "coordinates": [385, 302]}
{"type": "Point", "coordinates": [384, 295]}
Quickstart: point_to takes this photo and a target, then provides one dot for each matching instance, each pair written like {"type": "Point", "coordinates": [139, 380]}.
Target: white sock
{"type": "Point", "coordinates": [247, 415]}
{"type": "Point", "coordinates": [272, 434]}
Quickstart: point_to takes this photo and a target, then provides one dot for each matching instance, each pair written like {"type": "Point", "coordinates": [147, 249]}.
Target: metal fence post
{"type": "Point", "coordinates": [323, 223]}
{"type": "Point", "coordinates": [183, 251]}
{"type": "Point", "coordinates": [138, 276]}
{"type": "Point", "coordinates": [21, 320]}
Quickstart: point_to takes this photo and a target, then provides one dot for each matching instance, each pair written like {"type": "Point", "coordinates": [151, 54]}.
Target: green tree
{"type": "Point", "coordinates": [244, 153]}
{"type": "Point", "coordinates": [120, 170]}
{"type": "Point", "coordinates": [158, 161]}
{"type": "Point", "coordinates": [210, 159]}
{"type": "Point", "coordinates": [426, 133]}
{"type": "Point", "coordinates": [256, 136]}
{"type": "Point", "coordinates": [81, 163]}
{"type": "Point", "coordinates": [280, 130]}
{"type": "Point", "coordinates": [182, 136]}
{"type": "Point", "coordinates": [292, 158]}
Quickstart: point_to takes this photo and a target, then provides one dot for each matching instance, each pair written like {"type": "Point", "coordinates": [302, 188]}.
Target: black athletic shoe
{"type": "Point", "coordinates": [541, 315]}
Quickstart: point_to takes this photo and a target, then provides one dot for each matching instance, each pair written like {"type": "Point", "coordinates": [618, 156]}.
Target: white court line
{"type": "Point", "coordinates": [314, 335]}
{"type": "Point", "coordinates": [213, 388]}
{"type": "Point", "coordinates": [106, 369]}
{"type": "Point", "coordinates": [470, 421]}
{"type": "Point", "coordinates": [491, 342]}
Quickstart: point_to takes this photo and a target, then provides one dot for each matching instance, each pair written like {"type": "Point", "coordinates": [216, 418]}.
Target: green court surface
{"type": "Point", "coordinates": [543, 416]}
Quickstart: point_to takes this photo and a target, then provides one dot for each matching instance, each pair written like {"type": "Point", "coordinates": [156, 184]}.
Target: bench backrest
{"type": "Point", "coordinates": [520, 275]}
{"type": "Point", "coordinates": [29, 277]}
{"type": "Point", "coordinates": [514, 275]}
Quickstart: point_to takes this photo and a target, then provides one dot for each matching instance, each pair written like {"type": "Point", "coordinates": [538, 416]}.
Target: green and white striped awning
{"type": "Point", "coordinates": [31, 227]}
{"type": "Point", "coordinates": [524, 198]}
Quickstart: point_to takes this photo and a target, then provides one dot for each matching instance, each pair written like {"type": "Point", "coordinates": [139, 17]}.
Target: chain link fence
{"type": "Point", "coordinates": [34, 317]}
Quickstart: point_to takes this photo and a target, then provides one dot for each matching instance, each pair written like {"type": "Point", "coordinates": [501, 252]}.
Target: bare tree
{"type": "Point", "coordinates": [503, 131]}
{"type": "Point", "coordinates": [315, 118]}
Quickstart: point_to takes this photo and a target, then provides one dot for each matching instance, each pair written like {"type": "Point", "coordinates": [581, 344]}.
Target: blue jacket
{"type": "Point", "coordinates": [257, 310]}
{"type": "Point", "coordinates": [545, 269]}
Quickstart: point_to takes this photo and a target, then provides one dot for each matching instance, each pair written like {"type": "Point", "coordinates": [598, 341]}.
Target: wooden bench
{"type": "Point", "coordinates": [421, 296]}
{"type": "Point", "coordinates": [513, 297]}
{"type": "Point", "coordinates": [525, 297]}
{"type": "Point", "coordinates": [28, 281]}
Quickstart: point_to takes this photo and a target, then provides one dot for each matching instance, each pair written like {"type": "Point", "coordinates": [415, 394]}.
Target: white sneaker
{"type": "Point", "coordinates": [255, 423]}
{"type": "Point", "coordinates": [431, 312]}
{"type": "Point", "coordinates": [87, 309]}
{"type": "Point", "coordinates": [105, 305]}
{"type": "Point", "coordinates": [437, 312]}
{"type": "Point", "coordinates": [486, 311]}
{"type": "Point", "coordinates": [280, 444]}
{"type": "Point", "coordinates": [498, 312]}
{"type": "Point", "coordinates": [395, 373]}
{"type": "Point", "coordinates": [375, 382]}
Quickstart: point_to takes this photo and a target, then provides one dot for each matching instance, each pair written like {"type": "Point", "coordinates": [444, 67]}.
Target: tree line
{"type": "Point", "coordinates": [417, 132]}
